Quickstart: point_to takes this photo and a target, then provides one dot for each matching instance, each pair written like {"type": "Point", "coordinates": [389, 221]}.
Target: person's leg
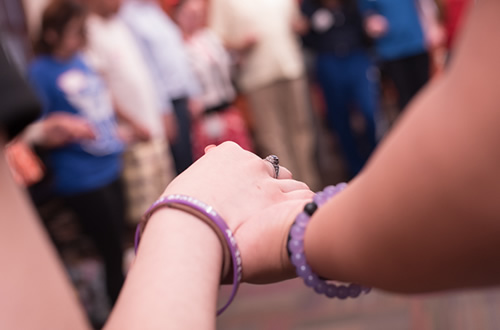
{"type": "Point", "coordinates": [299, 130]}
{"type": "Point", "coordinates": [182, 148]}
{"type": "Point", "coordinates": [366, 95]}
{"type": "Point", "coordinates": [147, 170]}
{"type": "Point", "coordinates": [333, 81]}
{"type": "Point", "coordinates": [420, 65]}
{"type": "Point", "coordinates": [400, 73]}
{"type": "Point", "coordinates": [267, 124]}
{"type": "Point", "coordinates": [100, 213]}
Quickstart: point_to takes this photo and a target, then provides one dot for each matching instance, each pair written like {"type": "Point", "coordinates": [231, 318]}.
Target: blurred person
{"type": "Point", "coordinates": [454, 14]}
{"type": "Point", "coordinates": [401, 42]}
{"type": "Point", "coordinates": [148, 165]}
{"type": "Point", "coordinates": [160, 41]}
{"type": "Point", "coordinates": [271, 75]}
{"type": "Point", "coordinates": [346, 73]}
{"type": "Point", "coordinates": [220, 120]}
{"type": "Point", "coordinates": [86, 168]}
{"type": "Point", "coordinates": [421, 217]}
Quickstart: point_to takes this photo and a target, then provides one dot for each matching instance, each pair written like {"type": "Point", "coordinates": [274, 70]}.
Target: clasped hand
{"type": "Point", "coordinates": [258, 208]}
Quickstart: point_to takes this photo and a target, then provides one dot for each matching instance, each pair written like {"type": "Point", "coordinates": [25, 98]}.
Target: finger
{"type": "Point", "coordinates": [277, 171]}
{"type": "Point", "coordinates": [288, 185]}
{"type": "Point", "coordinates": [300, 194]}
{"type": "Point", "coordinates": [283, 173]}
{"type": "Point", "coordinates": [82, 132]}
{"type": "Point", "coordinates": [209, 147]}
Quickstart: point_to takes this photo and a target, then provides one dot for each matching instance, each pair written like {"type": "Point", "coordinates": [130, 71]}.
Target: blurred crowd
{"type": "Point", "coordinates": [134, 90]}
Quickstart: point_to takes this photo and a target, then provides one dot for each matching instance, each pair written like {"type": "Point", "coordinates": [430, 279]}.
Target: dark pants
{"type": "Point", "coordinates": [350, 82]}
{"type": "Point", "coordinates": [182, 149]}
{"type": "Point", "coordinates": [100, 213]}
{"type": "Point", "coordinates": [408, 74]}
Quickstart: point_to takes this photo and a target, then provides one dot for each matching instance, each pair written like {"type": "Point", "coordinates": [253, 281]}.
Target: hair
{"type": "Point", "coordinates": [56, 17]}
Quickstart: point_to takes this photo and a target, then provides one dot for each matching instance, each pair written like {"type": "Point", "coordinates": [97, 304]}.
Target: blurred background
{"type": "Point", "coordinates": [133, 91]}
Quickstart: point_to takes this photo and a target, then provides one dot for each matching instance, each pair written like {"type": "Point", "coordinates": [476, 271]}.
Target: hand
{"type": "Point", "coordinates": [257, 207]}
{"type": "Point", "coordinates": [435, 37]}
{"type": "Point", "coordinates": [300, 25]}
{"type": "Point", "coordinates": [61, 128]}
{"type": "Point", "coordinates": [263, 238]}
{"type": "Point", "coordinates": [141, 133]}
{"type": "Point", "coordinates": [376, 26]}
{"type": "Point", "coordinates": [195, 107]}
{"type": "Point", "coordinates": [248, 43]}
{"type": "Point", "coordinates": [170, 125]}
{"type": "Point", "coordinates": [125, 134]}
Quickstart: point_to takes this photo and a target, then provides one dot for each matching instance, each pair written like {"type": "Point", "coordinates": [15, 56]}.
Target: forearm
{"type": "Point", "coordinates": [429, 11]}
{"type": "Point", "coordinates": [173, 282]}
{"type": "Point", "coordinates": [123, 116]}
{"type": "Point", "coordinates": [423, 215]}
{"type": "Point", "coordinates": [36, 292]}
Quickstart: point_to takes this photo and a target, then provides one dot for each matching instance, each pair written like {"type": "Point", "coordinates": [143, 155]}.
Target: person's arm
{"type": "Point", "coordinates": [424, 214]}
{"type": "Point", "coordinates": [433, 29]}
{"type": "Point", "coordinates": [58, 129]}
{"type": "Point", "coordinates": [139, 132]}
{"type": "Point", "coordinates": [35, 291]}
{"type": "Point", "coordinates": [300, 23]}
{"type": "Point", "coordinates": [375, 24]}
{"type": "Point", "coordinates": [174, 281]}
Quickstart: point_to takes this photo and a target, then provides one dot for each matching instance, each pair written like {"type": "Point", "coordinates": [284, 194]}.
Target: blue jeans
{"type": "Point", "coordinates": [350, 82]}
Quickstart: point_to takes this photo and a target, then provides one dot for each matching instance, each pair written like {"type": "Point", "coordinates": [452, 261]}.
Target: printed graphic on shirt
{"type": "Point", "coordinates": [322, 20]}
{"type": "Point", "coordinates": [87, 94]}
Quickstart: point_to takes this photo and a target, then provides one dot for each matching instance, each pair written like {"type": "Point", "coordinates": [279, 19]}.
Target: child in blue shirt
{"type": "Point", "coordinates": [86, 172]}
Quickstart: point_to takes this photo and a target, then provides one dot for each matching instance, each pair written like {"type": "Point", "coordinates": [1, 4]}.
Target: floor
{"type": "Point", "coordinates": [291, 305]}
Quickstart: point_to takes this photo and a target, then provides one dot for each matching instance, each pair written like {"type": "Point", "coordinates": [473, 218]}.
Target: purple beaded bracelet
{"type": "Point", "coordinates": [215, 221]}
{"type": "Point", "coordinates": [298, 257]}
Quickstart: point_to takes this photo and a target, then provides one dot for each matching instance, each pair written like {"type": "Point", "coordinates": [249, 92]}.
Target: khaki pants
{"type": "Point", "coordinates": [147, 170]}
{"type": "Point", "coordinates": [283, 126]}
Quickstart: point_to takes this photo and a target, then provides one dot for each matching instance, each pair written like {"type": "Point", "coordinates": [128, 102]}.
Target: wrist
{"type": "Point", "coordinates": [178, 264]}
{"type": "Point", "coordinates": [207, 215]}
{"type": "Point", "coordinates": [296, 248]}
{"type": "Point", "coordinates": [188, 236]}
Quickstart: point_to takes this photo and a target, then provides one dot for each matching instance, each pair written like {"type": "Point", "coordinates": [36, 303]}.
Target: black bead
{"type": "Point", "coordinates": [287, 247]}
{"type": "Point", "coordinates": [310, 208]}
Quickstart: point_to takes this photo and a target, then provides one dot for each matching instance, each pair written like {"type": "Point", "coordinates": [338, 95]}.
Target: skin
{"type": "Point", "coordinates": [35, 288]}
{"type": "Point", "coordinates": [191, 16]}
{"type": "Point", "coordinates": [61, 128]}
{"type": "Point", "coordinates": [153, 287]}
{"type": "Point", "coordinates": [429, 219]}
{"type": "Point", "coordinates": [422, 216]}
{"type": "Point", "coordinates": [70, 41]}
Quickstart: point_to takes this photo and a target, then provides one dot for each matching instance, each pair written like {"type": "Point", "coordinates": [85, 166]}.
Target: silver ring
{"type": "Point", "coordinates": [275, 161]}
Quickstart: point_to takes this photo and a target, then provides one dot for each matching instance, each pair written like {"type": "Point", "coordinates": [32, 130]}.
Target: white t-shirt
{"type": "Point", "coordinates": [115, 55]}
{"type": "Point", "coordinates": [277, 54]}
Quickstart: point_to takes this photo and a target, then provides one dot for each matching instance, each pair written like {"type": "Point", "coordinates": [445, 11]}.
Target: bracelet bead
{"type": "Point", "coordinates": [298, 258]}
